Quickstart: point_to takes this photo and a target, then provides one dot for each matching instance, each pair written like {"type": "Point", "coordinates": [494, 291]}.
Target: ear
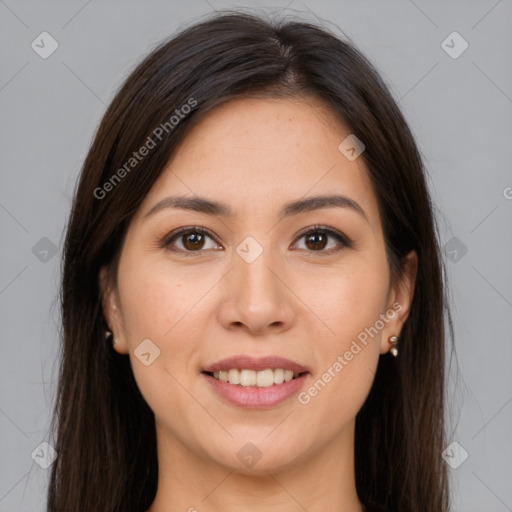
{"type": "Point", "coordinates": [399, 301]}
{"type": "Point", "coordinates": [112, 311]}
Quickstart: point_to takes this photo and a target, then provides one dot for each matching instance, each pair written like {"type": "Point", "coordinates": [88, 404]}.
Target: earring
{"type": "Point", "coordinates": [109, 334]}
{"type": "Point", "coordinates": [394, 341]}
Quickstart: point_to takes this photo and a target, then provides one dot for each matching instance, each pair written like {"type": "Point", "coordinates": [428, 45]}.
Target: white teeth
{"type": "Point", "coordinates": [261, 379]}
{"type": "Point", "coordinates": [278, 376]}
{"type": "Point", "coordinates": [248, 378]}
{"type": "Point", "coordinates": [265, 378]}
{"type": "Point", "coordinates": [234, 377]}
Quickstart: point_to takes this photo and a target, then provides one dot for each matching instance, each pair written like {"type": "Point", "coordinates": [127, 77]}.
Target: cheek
{"type": "Point", "coordinates": [352, 297]}
{"type": "Point", "coordinates": [155, 301]}
{"type": "Point", "coordinates": [155, 306]}
{"type": "Point", "coordinates": [158, 306]}
{"type": "Point", "coordinates": [352, 304]}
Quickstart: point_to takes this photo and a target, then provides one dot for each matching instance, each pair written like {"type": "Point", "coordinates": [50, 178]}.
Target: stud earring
{"type": "Point", "coordinates": [394, 341]}
{"type": "Point", "coordinates": [109, 334]}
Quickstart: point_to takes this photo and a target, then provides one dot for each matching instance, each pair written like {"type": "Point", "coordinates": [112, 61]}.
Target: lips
{"type": "Point", "coordinates": [256, 382]}
{"type": "Point", "coordinates": [245, 362]}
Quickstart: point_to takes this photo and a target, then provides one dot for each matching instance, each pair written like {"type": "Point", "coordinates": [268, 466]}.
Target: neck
{"type": "Point", "coordinates": [323, 480]}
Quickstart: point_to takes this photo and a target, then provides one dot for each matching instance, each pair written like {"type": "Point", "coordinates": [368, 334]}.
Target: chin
{"type": "Point", "coordinates": [258, 458]}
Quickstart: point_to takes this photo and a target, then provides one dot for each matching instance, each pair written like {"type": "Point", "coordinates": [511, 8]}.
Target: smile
{"type": "Point", "coordinates": [251, 378]}
{"type": "Point", "coordinates": [255, 382]}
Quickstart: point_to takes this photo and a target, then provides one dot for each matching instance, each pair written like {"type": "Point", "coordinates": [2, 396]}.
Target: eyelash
{"type": "Point", "coordinates": [168, 239]}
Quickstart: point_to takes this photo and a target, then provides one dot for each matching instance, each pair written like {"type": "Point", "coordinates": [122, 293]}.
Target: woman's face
{"type": "Point", "coordinates": [259, 282]}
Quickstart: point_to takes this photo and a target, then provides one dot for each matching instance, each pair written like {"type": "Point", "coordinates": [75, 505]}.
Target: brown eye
{"type": "Point", "coordinates": [316, 240]}
{"type": "Point", "coordinates": [319, 237]}
{"type": "Point", "coordinates": [193, 241]}
{"type": "Point", "coordinates": [188, 240]}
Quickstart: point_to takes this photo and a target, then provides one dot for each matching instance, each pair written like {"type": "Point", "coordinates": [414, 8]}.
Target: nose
{"type": "Point", "coordinates": [256, 296]}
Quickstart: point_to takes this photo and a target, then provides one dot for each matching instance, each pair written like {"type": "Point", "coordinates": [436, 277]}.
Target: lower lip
{"type": "Point", "coordinates": [256, 398]}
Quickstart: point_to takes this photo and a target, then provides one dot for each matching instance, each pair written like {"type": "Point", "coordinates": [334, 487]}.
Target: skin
{"type": "Point", "coordinates": [303, 302]}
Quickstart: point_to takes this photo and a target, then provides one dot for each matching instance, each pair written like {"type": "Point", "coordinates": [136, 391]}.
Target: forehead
{"type": "Point", "coordinates": [257, 154]}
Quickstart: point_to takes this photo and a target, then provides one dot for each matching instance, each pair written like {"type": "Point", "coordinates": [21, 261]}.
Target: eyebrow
{"type": "Point", "coordinates": [210, 207]}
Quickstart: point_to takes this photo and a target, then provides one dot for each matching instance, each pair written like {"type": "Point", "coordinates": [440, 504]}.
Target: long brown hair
{"type": "Point", "coordinates": [103, 430]}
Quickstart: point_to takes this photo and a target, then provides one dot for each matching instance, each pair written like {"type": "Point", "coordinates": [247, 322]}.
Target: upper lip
{"type": "Point", "coordinates": [245, 362]}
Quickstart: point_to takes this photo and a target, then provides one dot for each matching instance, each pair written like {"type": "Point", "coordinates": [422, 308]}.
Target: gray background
{"type": "Point", "coordinates": [459, 109]}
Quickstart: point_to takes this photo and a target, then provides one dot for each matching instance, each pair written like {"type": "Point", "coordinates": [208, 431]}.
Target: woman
{"type": "Point", "coordinates": [252, 292]}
